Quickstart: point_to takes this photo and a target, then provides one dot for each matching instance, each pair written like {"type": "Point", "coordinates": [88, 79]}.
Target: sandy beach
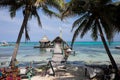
{"type": "Point", "coordinates": [70, 73]}
{"type": "Point", "coordinates": [75, 71]}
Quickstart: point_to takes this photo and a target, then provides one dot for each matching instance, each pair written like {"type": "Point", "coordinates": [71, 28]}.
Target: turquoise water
{"type": "Point", "coordinates": [85, 51]}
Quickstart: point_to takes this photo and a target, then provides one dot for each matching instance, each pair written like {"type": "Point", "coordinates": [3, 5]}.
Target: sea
{"type": "Point", "coordinates": [85, 52]}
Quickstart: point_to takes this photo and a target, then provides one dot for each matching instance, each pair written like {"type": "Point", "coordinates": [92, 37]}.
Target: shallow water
{"type": "Point", "coordinates": [85, 51]}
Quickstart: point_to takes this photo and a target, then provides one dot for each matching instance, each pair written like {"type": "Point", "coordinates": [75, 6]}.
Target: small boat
{"type": "Point", "coordinates": [4, 43]}
{"type": "Point", "coordinates": [117, 47]}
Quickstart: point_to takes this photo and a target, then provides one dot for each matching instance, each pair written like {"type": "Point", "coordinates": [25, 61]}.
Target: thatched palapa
{"type": "Point", "coordinates": [44, 42]}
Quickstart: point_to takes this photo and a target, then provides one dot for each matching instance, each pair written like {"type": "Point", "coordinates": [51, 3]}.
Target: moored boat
{"type": "Point", "coordinates": [4, 43]}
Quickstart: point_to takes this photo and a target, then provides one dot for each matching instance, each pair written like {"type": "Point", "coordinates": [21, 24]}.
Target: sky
{"type": "Point", "coordinates": [9, 28]}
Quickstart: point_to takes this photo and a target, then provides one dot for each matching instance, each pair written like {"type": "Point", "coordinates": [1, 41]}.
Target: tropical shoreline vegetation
{"type": "Point", "coordinates": [98, 16]}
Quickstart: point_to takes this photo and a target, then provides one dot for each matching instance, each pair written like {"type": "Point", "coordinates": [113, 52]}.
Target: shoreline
{"type": "Point", "coordinates": [75, 70]}
{"type": "Point", "coordinates": [75, 63]}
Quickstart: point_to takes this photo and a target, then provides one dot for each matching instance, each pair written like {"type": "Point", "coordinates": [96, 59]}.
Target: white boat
{"type": "Point", "coordinates": [4, 43]}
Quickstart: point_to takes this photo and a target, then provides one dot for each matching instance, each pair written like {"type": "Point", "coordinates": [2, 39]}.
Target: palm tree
{"type": "Point", "coordinates": [95, 16]}
{"type": "Point", "coordinates": [29, 9]}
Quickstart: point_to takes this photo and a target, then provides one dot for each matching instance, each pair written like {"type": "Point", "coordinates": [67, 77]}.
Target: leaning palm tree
{"type": "Point", "coordinates": [95, 16]}
{"type": "Point", "coordinates": [29, 9]}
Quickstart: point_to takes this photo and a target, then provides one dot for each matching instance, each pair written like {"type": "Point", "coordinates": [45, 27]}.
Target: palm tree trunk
{"type": "Point", "coordinates": [108, 51]}
{"type": "Point", "coordinates": [13, 59]}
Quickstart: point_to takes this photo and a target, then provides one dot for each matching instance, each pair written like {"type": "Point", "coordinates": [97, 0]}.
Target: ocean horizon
{"type": "Point", "coordinates": [84, 51]}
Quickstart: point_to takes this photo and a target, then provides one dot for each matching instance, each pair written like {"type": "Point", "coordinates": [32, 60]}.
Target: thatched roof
{"type": "Point", "coordinates": [58, 39]}
{"type": "Point", "coordinates": [44, 39]}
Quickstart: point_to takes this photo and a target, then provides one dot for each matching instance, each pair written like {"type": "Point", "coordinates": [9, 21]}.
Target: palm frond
{"type": "Point", "coordinates": [25, 25]}
{"type": "Point", "coordinates": [107, 21]}
{"type": "Point", "coordinates": [38, 19]}
{"type": "Point", "coordinates": [77, 31]}
{"type": "Point", "coordinates": [49, 12]}
{"type": "Point", "coordinates": [68, 10]}
{"type": "Point", "coordinates": [108, 30]}
{"type": "Point", "coordinates": [94, 31]}
{"type": "Point", "coordinates": [88, 25]}
{"type": "Point", "coordinates": [35, 13]}
{"type": "Point", "coordinates": [12, 12]}
{"type": "Point", "coordinates": [78, 21]}
{"type": "Point", "coordinates": [77, 7]}
{"type": "Point", "coordinates": [26, 34]}
{"type": "Point", "coordinates": [100, 2]}
{"type": "Point", "coordinates": [58, 4]}
{"type": "Point", "coordinates": [5, 3]}
{"type": "Point", "coordinates": [104, 2]}
{"type": "Point", "coordinates": [107, 13]}
{"type": "Point", "coordinates": [13, 9]}
{"type": "Point", "coordinates": [74, 7]}
{"type": "Point", "coordinates": [117, 19]}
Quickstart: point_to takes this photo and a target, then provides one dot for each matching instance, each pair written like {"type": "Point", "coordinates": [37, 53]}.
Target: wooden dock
{"type": "Point", "coordinates": [57, 54]}
{"type": "Point", "coordinates": [57, 58]}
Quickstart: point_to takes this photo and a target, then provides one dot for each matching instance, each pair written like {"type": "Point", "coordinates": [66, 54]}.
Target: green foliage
{"type": "Point", "coordinates": [30, 8]}
{"type": "Point", "coordinates": [91, 11]}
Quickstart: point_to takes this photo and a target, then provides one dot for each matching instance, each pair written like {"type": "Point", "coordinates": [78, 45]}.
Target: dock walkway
{"type": "Point", "coordinates": [57, 58]}
{"type": "Point", "coordinates": [57, 54]}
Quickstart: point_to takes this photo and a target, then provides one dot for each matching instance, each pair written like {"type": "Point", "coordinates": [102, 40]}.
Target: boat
{"type": "Point", "coordinates": [117, 47]}
{"type": "Point", "coordinates": [4, 43]}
